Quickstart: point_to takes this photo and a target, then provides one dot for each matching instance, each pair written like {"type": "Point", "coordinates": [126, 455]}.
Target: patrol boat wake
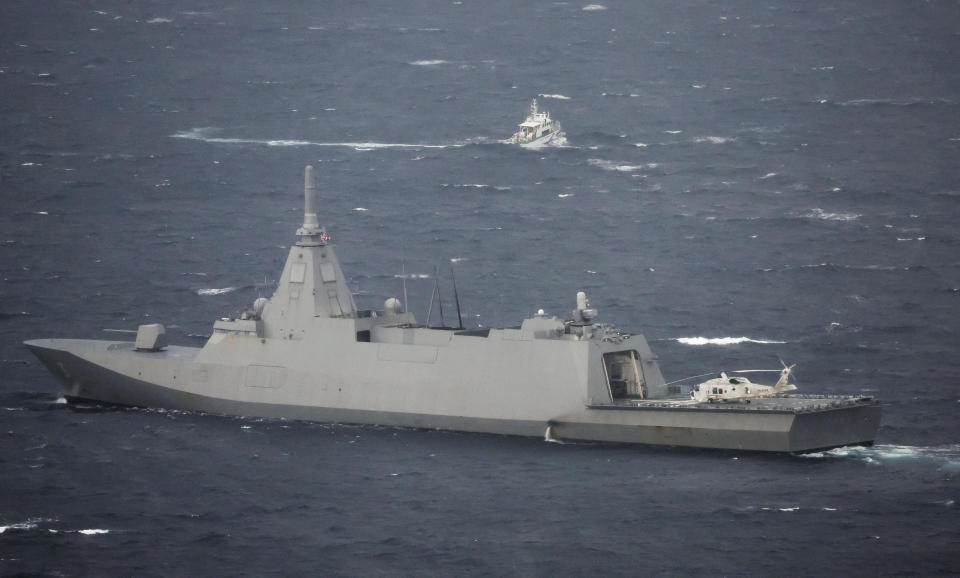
{"type": "Point", "coordinates": [308, 353]}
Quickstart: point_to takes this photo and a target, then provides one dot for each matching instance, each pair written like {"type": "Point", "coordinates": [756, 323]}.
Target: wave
{"type": "Point", "coordinates": [842, 267]}
{"type": "Point", "coordinates": [427, 62]}
{"type": "Point", "coordinates": [34, 523]}
{"type": "Point", "coordinates": [818, 213]}
{"type": "Point", "coordinates": [30, 524]}
{"type": "Point", "coordinates": [945, 457]}
{"type": "Point", "coordinates": [476, 186]}
{"type": "Point", "coordinates": [613, 166]}
{"type": "Point", "coordinates": [723, 340]}
{"type": "Point", "coordinates": [714, 139]}
{"type": "Point", "coordinates": [14, 315]}
{"type": "Point", "coordinates": [894, 102]}
{"type": "Point", "coordinates": [222, 291]}
{"type": "Point", "coordinates": [204, 134]}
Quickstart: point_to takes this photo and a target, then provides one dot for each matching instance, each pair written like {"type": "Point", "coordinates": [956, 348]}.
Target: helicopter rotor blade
{"type": "Point", "coordinates": [756, 371]}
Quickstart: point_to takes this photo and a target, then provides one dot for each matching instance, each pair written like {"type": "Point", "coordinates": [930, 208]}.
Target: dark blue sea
{"type": "Point", "coordinates": [741, 181]}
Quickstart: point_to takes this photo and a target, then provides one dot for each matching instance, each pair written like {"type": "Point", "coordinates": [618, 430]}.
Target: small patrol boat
{"type": "Point", "coordinates": [537, 129]}
{"type": "Point", "coordinates": [309, 353]}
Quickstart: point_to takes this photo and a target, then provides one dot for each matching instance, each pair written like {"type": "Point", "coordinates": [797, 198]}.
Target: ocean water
{"type": "Point", "coordinates": [743, 182]}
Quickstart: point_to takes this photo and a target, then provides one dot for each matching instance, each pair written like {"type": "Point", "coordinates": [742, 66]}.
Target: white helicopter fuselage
{"type": "Point", "coordinates": [739, 388]}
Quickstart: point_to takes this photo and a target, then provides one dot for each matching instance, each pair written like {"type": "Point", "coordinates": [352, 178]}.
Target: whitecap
{"type": "Point", "coordinates": [893, 102]}
{"type": "Point", "coordinates": [360, 209]}
{"type": "Point", "coordinates": [723, 340]}
{"type": "Point", "coordinates": [818, 213]}
{"type": "Point", "coordinates": [673, 131]}
{"type": "Point", "coordinates": [476, 186]}
{"type": "Point", "coordinates": [612, 166]}
{"type": "Point", "coordinates": [556, 96]}
{"type": "Point", "coordinates": [714, 139]}
{"type": "Point", "coordinates": [565, 195]}
{"type": "Point", "coordinates": [640, 145]}
{"type": "Point", "coordinates": [768, 176]}
{"type": "Point", "coordinates": [28, 525]}
{"type": "Point", "coordinates": [793, 509]}
{"type": "Point", "coordinates": [93, 531]}
{"type": "Point", "coordinates": [427, 62]}
{"type": "Point", "coordinates": [594, 7]}
{"type": "Point", "coordinates": [216, 291]}
{"type": "Point", "coordinates": [159, 20]}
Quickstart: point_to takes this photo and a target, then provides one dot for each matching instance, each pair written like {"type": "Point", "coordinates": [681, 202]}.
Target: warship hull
{"type": "Point", "coordinates": [115, 373]}
{"type": "Point", "coordinates": [308, 353]}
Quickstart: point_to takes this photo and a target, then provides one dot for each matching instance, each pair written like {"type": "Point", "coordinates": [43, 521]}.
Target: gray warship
{"type": "Point", "coordinates": [308, 353]}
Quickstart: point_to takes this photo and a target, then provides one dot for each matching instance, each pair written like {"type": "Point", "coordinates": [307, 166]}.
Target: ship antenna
{"type": "Point", "coordinates": [403, 275]}
{"type": "Point", "coordinates": [436, 275]}
{"type": "Point", "coordinates": [311, 234]}
{"type": "Point", "coordinates": [309, 199]}
{"type": "Point", "coordinates": [430, 308]}
{"type": "Point", "coordinates": [456, 298]}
